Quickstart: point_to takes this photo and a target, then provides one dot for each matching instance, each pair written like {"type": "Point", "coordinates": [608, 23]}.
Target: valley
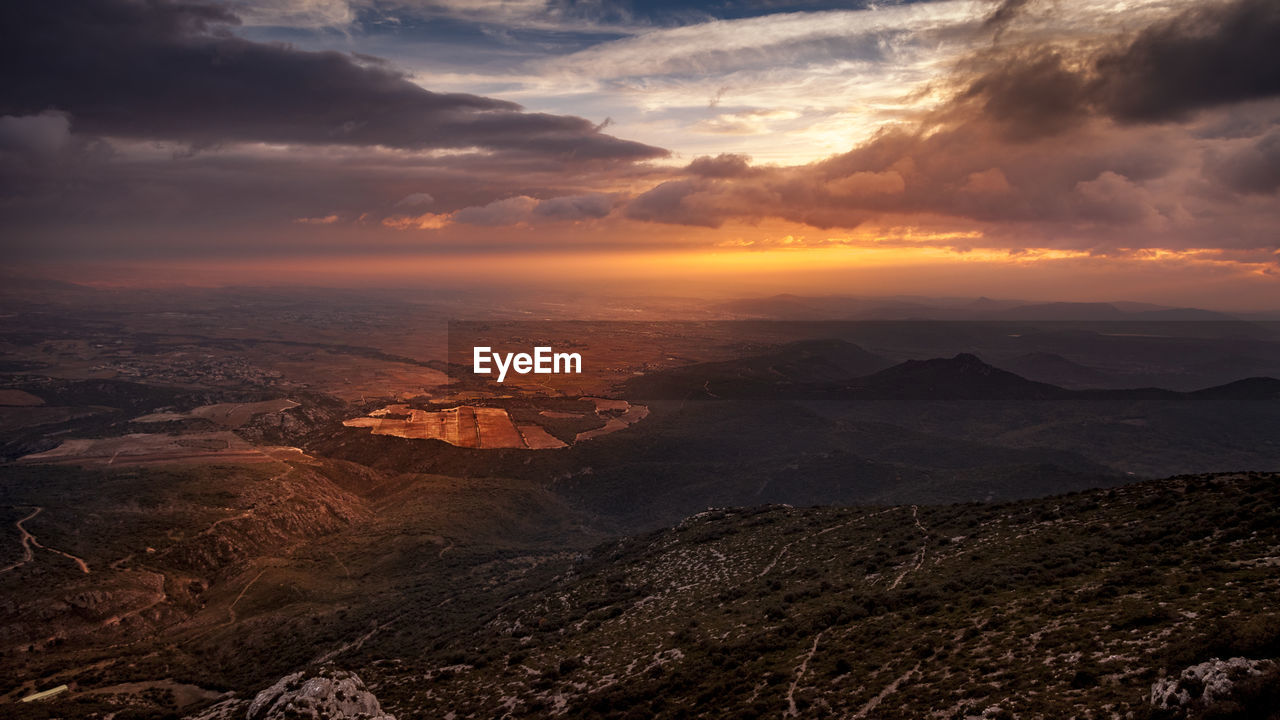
{"type": "Point", "coordinates": [806, 520]}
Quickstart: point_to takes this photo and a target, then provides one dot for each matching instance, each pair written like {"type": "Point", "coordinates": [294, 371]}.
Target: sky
{"type": "Point", "coordinates": [1040, 149]}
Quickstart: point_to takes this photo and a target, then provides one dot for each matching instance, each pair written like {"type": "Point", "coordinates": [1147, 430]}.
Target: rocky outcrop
{"type": "Point", "coordinates": [1205, 684]}
{"type": "Point", "coordinates": [327, 694]}
{"type": "Point", "coordinates": [324, 694]}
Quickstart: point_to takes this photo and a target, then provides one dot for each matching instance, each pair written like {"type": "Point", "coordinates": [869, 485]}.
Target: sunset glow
{"type": "Point", "coordinates": [617, 359]}
{"type": "Point", "coordinates": [758, 150]}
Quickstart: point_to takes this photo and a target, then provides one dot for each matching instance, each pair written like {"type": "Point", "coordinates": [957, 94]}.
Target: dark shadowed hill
{"type": "Point", "coordinates": [794, 367]}
{"type": "Point", "coordinates": [1063, 311]}
{"type": "Point", "coordinates": [1057, 370]}
{"type": "Point", "coordinates": [790, 426]}
{"type": "Point", "coordinates": [1049, 608]}
{"type": "Point", "coordinates": [963, 377]}
{"type": "Point", "coordinates": [1261, 388]}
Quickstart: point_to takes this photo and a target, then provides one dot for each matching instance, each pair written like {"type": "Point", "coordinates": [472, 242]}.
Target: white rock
{"type": "Point", "coordinates": [1209, 682]}
{"type": "Point", "coordinates": [327, 695]}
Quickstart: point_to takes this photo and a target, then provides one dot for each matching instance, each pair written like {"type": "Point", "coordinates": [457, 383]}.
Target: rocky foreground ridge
{"type": "Point", "coordinates": [324, 694]}
{"type": "Point", "coordinates": [1216, 687]}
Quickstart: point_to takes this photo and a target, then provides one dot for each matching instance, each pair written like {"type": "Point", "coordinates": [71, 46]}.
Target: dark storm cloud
{"type": "Point", "coordinates": [68, 200]}
{"type": "Point", "coordinates": [1209, 55]}
{"type": "Point", "coordinates": [1036, 148]}
{"type": "Point", "coordinates": [166, 70]}
{"type": "Point", "coordinates": [1213, 54]}
{"type": "Point", "coordinates": [1031, 94]}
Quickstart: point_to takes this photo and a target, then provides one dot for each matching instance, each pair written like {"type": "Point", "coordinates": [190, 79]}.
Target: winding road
{"type": "Point", "coordinates": [28, 540]}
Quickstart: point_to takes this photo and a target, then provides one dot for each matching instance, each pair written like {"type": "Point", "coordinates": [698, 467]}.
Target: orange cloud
{"type": "Point", "coordinates": [425, 221]}
{"type": "Point", "coordinates": [325, 220]}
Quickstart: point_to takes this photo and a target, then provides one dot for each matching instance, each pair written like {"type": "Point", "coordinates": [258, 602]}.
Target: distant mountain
{"type": "Point", "coordinates": [1183, 315]}
{"type": "Point", "coordinates": [823, 367]}
{"type": "Point", "coordinates": [794, 307]}
{"type": "Point", "coordinates": [1063, 311]}
{"type": "Point", "coordinates": [963, 377]}
{"type": "Point", "coordinates": [1107, 311]}
{"type": "Point", "coordinates": [919, 429]}
{"type": "Point", "coordinates": [817, 361]}
{"type": "Point", "coordinates": [1095, 312]}
{"type": "Point", "coordinates": [836, 369]}
{"type": "Point", "coordinates": [1258, 388]}
{"type": "Point", "coordinates": [1057, 370]}
{"type": "Point", "coordinates": [795, 365]}
{"type": "Point", "coordinates": [1221, 370]}
{"type": "Point", "coordinates": [799, 307]}
{"type": "Point", "coordinates": [986, 304]}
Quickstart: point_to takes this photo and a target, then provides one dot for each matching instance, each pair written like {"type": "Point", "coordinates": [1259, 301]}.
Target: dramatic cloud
{"type": "Point", "coordinates": [1043, 139]}
{"type": "Point", "coordinates": [1212, 54]}
{"type": "Point", "coordinates": [169, 70]}
{"type": "Point", "coordinates": [990, 128]}
{"type": "Point", "coordinates": [970, 171]}
{"type": "Point", "coordinates": [1031, 94]}
{"type": "Point", "coordinates": [1137, 187]}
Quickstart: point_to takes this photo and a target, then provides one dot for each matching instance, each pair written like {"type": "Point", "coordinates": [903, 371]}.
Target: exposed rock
{"type": "Point", "coordinates": [325, 694]}
{"type": "Point", "coordinates": [294, 425]}
{"type": "Point", "coordinates": [1205, 684]}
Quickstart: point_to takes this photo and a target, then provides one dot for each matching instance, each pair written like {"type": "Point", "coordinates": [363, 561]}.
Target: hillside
{"type": "Point", "coordinates": [794, 367]}
{"type": "Point", "coordinates": [1062, 607]}
{"type": "Point", "coordinates": [1057, 370]}
{"type": "Point", "coordinates": [193, 528]}
{"type": "Point", "coordinates": [963, 377]}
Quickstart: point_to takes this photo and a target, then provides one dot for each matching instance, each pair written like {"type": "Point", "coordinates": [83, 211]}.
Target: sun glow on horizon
{"type": "Point", "coordinates": [1158, 275]}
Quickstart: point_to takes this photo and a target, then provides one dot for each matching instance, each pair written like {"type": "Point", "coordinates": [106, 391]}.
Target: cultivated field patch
{"type": "Point", "coordinates": [148, 449]}
{"type": "Point", "coordinates": [485, 427]}
{"type": "Point", "coordinates": [228, 415]}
